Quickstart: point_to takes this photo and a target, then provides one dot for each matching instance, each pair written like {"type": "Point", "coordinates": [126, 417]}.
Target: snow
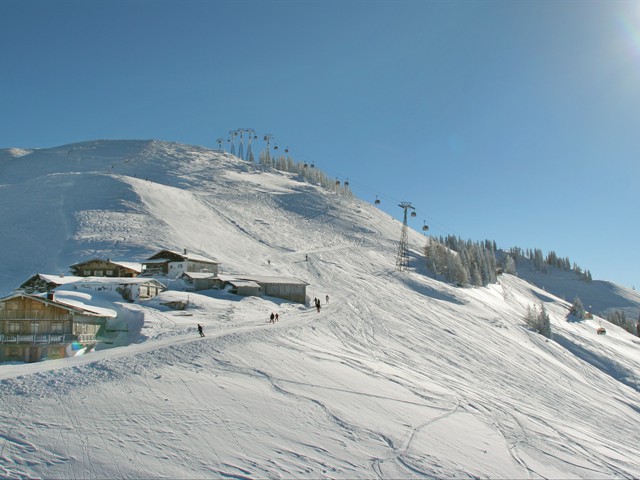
{"type": "Point", "coordinates": [398, 376]}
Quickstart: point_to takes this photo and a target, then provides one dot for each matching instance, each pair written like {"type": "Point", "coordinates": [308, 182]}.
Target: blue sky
{"type": "Point", "coordinates": [515, 121]}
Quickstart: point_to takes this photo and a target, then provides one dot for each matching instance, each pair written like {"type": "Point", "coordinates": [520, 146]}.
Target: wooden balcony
{"type": "Point", "coordinates": [47, 338]}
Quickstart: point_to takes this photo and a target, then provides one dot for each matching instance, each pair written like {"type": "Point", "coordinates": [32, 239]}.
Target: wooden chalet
{"type": "Point", "coordinates": [131, 289]}
{"type": "Point", "coordinates": [97, 267]}
{"type": "Point", "coordinates": [171, 263]}
{"type": "Point", "coordinates": [37, 327]}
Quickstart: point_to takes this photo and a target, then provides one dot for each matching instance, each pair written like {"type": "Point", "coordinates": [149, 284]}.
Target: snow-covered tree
{"type": "Point", "coordinates": [457, 273]}
{"type": "Point", "coordinates": [544, 322]}
{"type": "Point", "coordinates": [577, 308]}
{"type": "Point", "coordinates": [539, 320]}
{"type": "Point", "coordinates": [538, 260]}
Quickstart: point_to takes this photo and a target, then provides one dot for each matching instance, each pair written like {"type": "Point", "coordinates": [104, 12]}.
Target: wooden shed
{"type": "Point", "coordinates": [246, 288]}
{"type": "Point", "coordinates": [287, 288]}
{"type": "Point", "coordinates": [200, 281]}
{"type": "Point", "coordinates": [34, 328]}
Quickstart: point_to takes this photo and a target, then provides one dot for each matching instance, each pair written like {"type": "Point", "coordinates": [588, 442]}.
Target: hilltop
{"type": "Point", "coordinates": [399, 376]}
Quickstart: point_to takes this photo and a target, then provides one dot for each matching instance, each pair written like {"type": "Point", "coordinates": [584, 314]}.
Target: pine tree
{"type": "Point", "coordinates": [544, 322]}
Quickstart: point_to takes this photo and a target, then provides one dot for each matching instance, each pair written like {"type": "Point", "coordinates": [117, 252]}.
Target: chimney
{"type": "Point", "coordinates": [50, 295]}
{"type": "Point", "coordinates": [185, 251]}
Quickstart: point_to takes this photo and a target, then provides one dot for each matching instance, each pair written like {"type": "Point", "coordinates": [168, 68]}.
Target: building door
{"type": "Point", "coordinates": [31, 354]}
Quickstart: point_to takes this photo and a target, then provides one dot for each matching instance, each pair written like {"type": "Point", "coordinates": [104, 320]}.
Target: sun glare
{"type": "Point", "coordinates": [629, 20]}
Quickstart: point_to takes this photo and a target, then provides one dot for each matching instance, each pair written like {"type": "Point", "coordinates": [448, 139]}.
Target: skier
{"type": "Point", "coordinates": [327, 298]}
{"type": "Point", "coordinates": [272, 318]}
{"type": "Point", "coordinates": [277, 317]}
{"type": "Point", "coordinates": [200, 330]}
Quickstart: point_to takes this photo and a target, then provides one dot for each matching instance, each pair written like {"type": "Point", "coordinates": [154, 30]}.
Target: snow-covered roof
{"type": "Point", "coordinates": [272, 279]}
{"type": "Point", "coordinates": [199, 275]}
{"type": "Point", "coordinates": [136, 266]}
{"type": "Point", "coordinates": [68, 279]}
{"type": "Point", "coordinates": [244, 283]}
{"type": "Point", "coordinates": [156, 260]}
{"type": "Point", "coordinates": [59, 279]}
{"type": "Point", "coordinates": [187, 256]}
{"type": "Point", "coordinates": [261, 279]}
{"type": "Point", "coordinates": [68, 303]}
{"type": "Point", "coordinates": [118, 280]}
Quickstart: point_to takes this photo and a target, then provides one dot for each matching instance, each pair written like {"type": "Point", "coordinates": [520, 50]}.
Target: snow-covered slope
{"type": "Point", "coordinates": [398, 376]}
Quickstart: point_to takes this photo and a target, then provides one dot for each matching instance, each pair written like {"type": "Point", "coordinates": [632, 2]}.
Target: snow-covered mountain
{"type": "Point", "coordinates": [398, 376]}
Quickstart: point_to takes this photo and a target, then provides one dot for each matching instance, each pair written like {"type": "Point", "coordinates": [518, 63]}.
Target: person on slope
{"type": "Point", "coordinates": [272, 318]}
{"type": "Point", "coordinates": [200, 330]}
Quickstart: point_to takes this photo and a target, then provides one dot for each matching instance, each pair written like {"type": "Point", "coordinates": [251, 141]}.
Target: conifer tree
{"type": "Point", "coordinates": [544, 322]}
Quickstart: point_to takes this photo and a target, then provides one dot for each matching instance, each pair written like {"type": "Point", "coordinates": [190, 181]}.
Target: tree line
{"type": "Point", "coordinates": [462, 262]}
{"type": "Point", "coordinates": [467, 262]}
{"type": "Point", "coordinates": [541, 263]}
{"type": "Point", "coordinates": [310, 173]}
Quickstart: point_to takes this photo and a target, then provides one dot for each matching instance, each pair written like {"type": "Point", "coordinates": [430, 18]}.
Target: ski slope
{"type": "Point", "coordinates": [398, 376]}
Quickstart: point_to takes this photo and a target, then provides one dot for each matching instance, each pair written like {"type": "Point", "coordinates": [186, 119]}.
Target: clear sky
{"type": "Point", "coordinates": [516, 121]}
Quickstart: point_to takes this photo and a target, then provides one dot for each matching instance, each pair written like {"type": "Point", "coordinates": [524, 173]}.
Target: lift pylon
{"type": "Point", "coordinates": [402, 259]}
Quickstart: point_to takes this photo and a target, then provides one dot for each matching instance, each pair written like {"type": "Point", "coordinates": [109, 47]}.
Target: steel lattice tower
{"type": "Point", "coordinates": [233, 134]}
{"type": "Point", "coordinates": [402, 260]}
{"type": "Point", "coordinates": [240, 149]}
{"type": "Point", "coordinates": [251, 133]}
{"type": "Point", "coordinates": [267, 139]}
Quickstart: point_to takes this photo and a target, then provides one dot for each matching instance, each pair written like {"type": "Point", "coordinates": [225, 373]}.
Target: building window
{"type": "Point", "coordinates": [35, 327]}
{"type": "Point", "coordinates": [14, 327]}
{"type": "Point", "coordinates": [98, 273]}
{"type": "Point", "coordinates": [56, 327]}
{"type": "Point", "coordinates": [86, 273]}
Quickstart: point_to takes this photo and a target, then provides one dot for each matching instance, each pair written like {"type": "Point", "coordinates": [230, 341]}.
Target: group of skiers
{"type": "Point", "coordinates": [274, 317]}
{"type": "Point", "coordinates": [316, 302]}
